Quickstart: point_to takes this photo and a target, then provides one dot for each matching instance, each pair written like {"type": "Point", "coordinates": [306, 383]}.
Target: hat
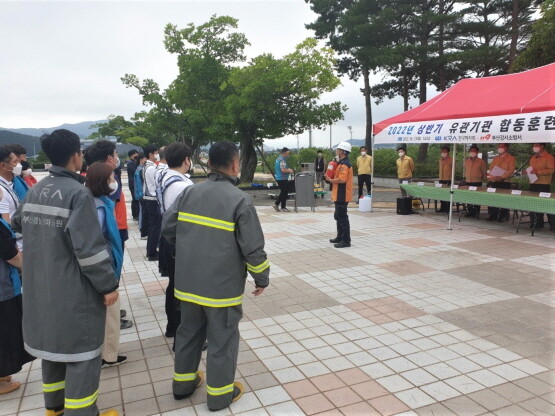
{"type": "Point", "coordinates": [345, 146]}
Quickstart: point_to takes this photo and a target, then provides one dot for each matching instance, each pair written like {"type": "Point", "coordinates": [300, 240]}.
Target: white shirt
{"type": "Point", "coordinates": [176, 188]}
{"type": "Point", "coordinates": [159, 174]}
{"type": "Point", "coordinates": [9, 201]}
{"type": "Point", "coordinates": [150, 180]}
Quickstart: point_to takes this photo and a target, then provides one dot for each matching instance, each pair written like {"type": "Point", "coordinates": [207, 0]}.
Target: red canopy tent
{"type": "Point", "coordinates": [518, 108]}
{"type": "Point", "coordinates": [514, 108]}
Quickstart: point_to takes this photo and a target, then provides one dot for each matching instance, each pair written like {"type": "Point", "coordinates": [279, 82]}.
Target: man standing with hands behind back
{"type": "Point", "coordinates": [342, 193]}
{"type": "Point", "coordinates": [364, 166]}
{"type": "Point", "coordinates": [69, 281]}
{"type": "Point", "coordinates": [218, 238]}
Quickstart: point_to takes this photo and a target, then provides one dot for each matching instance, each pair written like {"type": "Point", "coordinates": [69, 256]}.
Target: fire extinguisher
{"type": "Point", "coordinates": [332, 166]}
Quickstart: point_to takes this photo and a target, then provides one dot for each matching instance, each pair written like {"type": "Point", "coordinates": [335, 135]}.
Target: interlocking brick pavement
{"type": "Point", "coordinates": [413, 319]}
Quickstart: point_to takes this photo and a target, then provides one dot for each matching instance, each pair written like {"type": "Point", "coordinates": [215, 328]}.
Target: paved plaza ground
{"type": "Point", "coordinates": [413, 319]}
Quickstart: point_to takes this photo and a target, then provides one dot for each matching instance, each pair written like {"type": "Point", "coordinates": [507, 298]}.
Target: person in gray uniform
{"type": "Point", "coordinates": [218, 239]}
{"type": "Point", "coordinates": [69, 281]}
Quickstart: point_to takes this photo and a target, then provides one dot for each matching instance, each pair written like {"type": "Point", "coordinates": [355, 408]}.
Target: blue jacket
{"type": "Point", "coordinates": [10, 282]}
{"type": "Point", "coordinates": [111, 232]}
{"type": "Point", "coordinates": [139, 191]}
{"type": "Point", "coordinates": [20, 187]}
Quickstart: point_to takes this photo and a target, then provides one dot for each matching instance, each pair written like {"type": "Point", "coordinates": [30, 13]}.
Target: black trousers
{"type": "Point", "coordinates": [166, 266]}
{"type": "Point", "coordinates": [473, 210]}
{"type": "Point", "coordinates": [444, 205]}
{"type": "Point", "coordinates": [498, 213]}
{"type": "Point", "coordinates": [364, 180]}
{"type": "Point", "coordinates": [154, 227]}
{"type": "Point", "coordinates": [538, 217]}
{"type": "Point", "coordinates": [134, 203]}
{"type": "Point", "coordinates": [342, 219]}
{"type": "Point", "coordinates": [144, 218]}
{"type": "Point", "coordinates": [283, 192]}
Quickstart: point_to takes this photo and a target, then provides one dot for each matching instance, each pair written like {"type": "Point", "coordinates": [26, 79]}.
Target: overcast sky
{"type": "Point", "coordinates": [62, 61]}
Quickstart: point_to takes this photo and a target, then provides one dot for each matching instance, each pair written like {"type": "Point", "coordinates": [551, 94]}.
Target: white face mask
{"type": "Point", "coordinates": [537, 149]}
{"type": "Point", "coordinates": [114, 187]}
{"type": "Point", "coordinates": [444, 154]}
{"type": "Point", "coordinates": [17, 169]}
{"type": "Point", "coordinates": [500, 150]}
{"type": "Point", "coordinates": [27, 172]}
{"type": "Point", "coordinates": [401, 154]}
{"type": "Point", "coordinates": [118, 162]}
{"type": "Point", "coordinates": [157, 158]}
{"type": "Point", "coordinates": [473, 154]}
{"type": "Point", "coordinates": [363, 153]}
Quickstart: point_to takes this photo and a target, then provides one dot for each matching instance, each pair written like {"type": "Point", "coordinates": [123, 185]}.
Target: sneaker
{"type": "Point", "coordinates": [122, 313]}
{"type": "Point", "coordinates": [125, 323]}
{"type": "Point", "coordinates": [153, 258]}
{"type": "Point", "coordinates": [276, 208]}
{"type": "Point", "coordinates": [121, 359]}
{"type": "Point", "coordinates": [237, 391]}
{"type": "Point", "coordinates": [145, 237]}
{"type": "Point", "coordinates": [200, 380]}
{"type": "Point", "coordinates": [335, 240]}
{"type": "Point", "coordinates": [285, 209]}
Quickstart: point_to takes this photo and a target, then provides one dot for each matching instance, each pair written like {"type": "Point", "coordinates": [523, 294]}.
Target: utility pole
{"type": "Point", "coordinates": [331, 148]}
{"type": "Point", "coordinates": [351, 131]}
{"type": "Point", "coordinates": [297, 142]}
{"type": "Point", "coordinates": [310, 136]}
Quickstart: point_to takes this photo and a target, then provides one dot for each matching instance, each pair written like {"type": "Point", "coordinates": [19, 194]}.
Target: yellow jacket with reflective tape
{"type": "Point", "coordinates": [218, 238]}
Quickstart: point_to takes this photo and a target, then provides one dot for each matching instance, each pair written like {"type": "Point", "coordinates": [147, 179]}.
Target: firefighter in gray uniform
{"type": "Point", "coordinates": [218, 239]}
{"type": "Point", "coordinates": [69, 281]}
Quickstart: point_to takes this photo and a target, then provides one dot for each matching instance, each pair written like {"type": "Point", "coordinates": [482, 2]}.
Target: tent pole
{"type": "Point", "coordinates": [452, 184]}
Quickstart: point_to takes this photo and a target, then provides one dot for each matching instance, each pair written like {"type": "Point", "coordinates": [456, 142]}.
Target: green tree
{"type": "Point", "coordinates": [271, 97]}
{"type": "Point", "coordinates": [351, 30]}
{"type": "Point", "coordinates": [188, 109]}
{"type": "Point", "coordinates": [540, 49]}
{"type": "Point", "coordinates": [112, 127]}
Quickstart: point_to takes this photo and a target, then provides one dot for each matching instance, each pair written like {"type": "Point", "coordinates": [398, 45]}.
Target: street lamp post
{"type": "Point", "coordinates": [350, 132]}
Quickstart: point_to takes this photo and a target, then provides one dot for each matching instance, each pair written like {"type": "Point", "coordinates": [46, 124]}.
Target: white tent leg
{"type": "Point", "coordinates": [452, 185]}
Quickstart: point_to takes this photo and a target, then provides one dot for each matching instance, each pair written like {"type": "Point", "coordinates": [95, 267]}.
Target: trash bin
{"type": "Point", "coordinates": [304, 190]}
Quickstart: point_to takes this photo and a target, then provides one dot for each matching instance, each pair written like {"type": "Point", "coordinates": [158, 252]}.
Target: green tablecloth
{"type": "Point", "coordinates": [499, 199]}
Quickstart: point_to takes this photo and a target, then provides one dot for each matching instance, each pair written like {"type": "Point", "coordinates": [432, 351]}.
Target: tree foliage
{"type": "Point", "coordinates": [413, 44]}
{"type": "Point", "coordinates": [541, 47]}
{"type": "Point", "coordinates": [216, 96]}
{"type": "Point", "coordinates": [273, 97]}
